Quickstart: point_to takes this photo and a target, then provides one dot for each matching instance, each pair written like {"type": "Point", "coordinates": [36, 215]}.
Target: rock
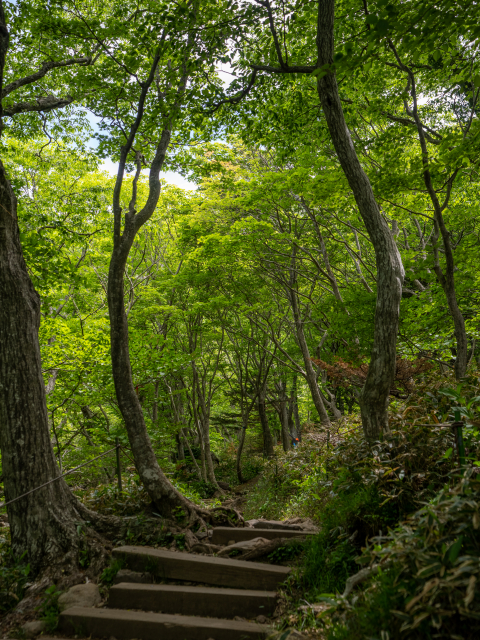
{"type": "Point", "coordinates": [34, 628]}
{"type": "Point", "coordinates": [261, 619]}
{"type": "Point", "coordinates": [81, 595]}
{"type": "Point", "coordinates": [201, 534]}
{"type": "Point", "coordinates": [273, 524]}
{"type": "Point", "coordinates": [125, 575]}
{"type": "Point", "coordinates": [244, 546]}
{"type": "Point", "coordinates": [224, 485]}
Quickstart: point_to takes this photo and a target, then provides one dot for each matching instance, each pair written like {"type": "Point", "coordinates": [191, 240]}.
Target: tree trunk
{"type": "Point", "coordinates": [195, 464]}
{"type": "Point", "coordinates": [161, 491]}
{"type": "Point", "coordinates": [43, 525]}
{"type": "Point", "coordinates": [390, 273]}
{"type": "Point", "coordinates": [204, 426]}
{"type": "Point", "coordinates": [268, 449]}
{"type": "Point", "coordinates": [283, 414]}
{"type": "Point", "coordinates": [180, 447]}
{"type": "Point", "coordinates": [241, 442]}
{"type": "Point", "coordinates": [310, 375]}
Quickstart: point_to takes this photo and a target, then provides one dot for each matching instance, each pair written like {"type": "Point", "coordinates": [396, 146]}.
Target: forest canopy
{"type": "Point", "coordinates": [305, 315]}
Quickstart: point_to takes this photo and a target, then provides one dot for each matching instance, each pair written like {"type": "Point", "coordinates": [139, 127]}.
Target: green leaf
{"type": "Point", "coordinates": [455, 549]}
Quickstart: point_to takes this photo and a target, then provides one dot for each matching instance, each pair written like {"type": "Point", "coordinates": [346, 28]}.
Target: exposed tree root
{"type": "Point", "coordinates": [267, 548]}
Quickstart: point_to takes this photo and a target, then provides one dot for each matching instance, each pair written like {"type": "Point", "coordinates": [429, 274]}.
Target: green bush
{"type": "Point", "coordinates": [428, 583]}
{"type": "Point", "coordinates": [351, 517]}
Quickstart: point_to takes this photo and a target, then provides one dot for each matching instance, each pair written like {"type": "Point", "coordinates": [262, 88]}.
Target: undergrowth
{"type": "Point", "coordinates": [427, 574]}
{"type": "Point", "coordinates": [394, 506]}
{"type": "Point", "coordinates": [14, 575]}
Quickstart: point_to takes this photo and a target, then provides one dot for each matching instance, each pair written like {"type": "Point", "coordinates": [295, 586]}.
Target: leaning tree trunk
{"type": "Point", "coordinates": [161, 491]}
{"type": "Point", "coordinates": [43, 525]}
{"type": "Point", "coordinates": [390, 273]}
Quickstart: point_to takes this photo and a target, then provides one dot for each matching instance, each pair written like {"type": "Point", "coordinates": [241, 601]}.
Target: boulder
{"type": "Point", "coordinates": [81, 595]}
{"type": "Point", "coordinates": [34, 628]}
{"type": "Point", "coordinates": [244, 547]}
{"type": "Point", "coordinates": [125, 575]}
{"type": "Point", "coordinates": [224, 485]}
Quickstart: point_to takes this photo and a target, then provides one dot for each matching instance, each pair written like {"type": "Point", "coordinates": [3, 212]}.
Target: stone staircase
{"type": "Point", "coordinates": [224, 589]}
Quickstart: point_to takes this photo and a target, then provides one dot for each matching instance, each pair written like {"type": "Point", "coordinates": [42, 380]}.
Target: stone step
{"type": "Point", "coordinates": [222, 572]}
{"type": "Point", "coordinates": [193, 601]}
{"type": "Point", "coordinates": [224, 535]}
{"type": "Point", "coordinates": [141, 625]}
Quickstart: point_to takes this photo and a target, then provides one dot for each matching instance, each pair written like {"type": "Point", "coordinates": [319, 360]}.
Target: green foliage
{"type": "Point", "coordinates": [347, 521]}
{"type": "Point", "coordinates": [14, 574]}
{"type": "Point", "coordinates": [49, 610]}
{"type": "Point", "coordinates": [287, 552]}
{"type": "Point", "coordinates": [429, 573]}
{"type": "Point", "coordinates": [108, 575]}
{"type": "Point", "coordinates": [327, 565]}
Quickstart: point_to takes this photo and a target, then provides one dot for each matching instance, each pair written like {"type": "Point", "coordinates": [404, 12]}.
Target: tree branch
{"type": "Point", "coordinates": [44, 69]}
{"type": "Point", "coordinates": [42, 104]}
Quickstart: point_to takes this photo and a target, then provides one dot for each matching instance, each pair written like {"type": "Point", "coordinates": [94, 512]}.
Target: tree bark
{"type": "Point", "coordinates": [268, 449]}
{"type": "Point", "coordinates": [195, 464]}
{"type": "Point", "coordinates": [204, 426]}
{"type": "Point", "coordinates": [43, 525]}
{"type": "Point", "coordinates": [283, 414]}
{"type": "Point", "coordinates": [238, 461]}
{"type": "Point", "coordinates": [161, 491]}
{"type": "Point", "coordinates": [390, 272]}
{"type": "Point", "coordinates": [310, 374]}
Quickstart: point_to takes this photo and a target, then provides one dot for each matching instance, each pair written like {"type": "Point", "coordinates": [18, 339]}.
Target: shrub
{"type": "Point", "coordinates": [428, 574]}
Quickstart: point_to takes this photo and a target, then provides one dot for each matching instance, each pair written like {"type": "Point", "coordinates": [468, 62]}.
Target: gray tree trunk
{"type": "Point", "coordinates": [283, 414]}
{"type": "Point", "coordinates": [241, 442]}
{"type": "Point", "coordinates": [310, 374]}
{"type": "Point", "coordinates": [268, 449]}
{"type": "Point", "coordinates": [390, 273]}
{"type": "Point", "coordinates": [161, 491]}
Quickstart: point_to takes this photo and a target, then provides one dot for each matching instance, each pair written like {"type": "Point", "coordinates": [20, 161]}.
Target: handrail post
{"type": "Point", "coordinates": [119, 469]}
